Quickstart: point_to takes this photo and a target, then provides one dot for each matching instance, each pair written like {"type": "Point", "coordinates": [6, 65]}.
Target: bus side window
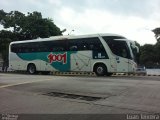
{"type": "Point", "coordinates": [13, 48]}
{"type": "Point", "coordinates": [55, 49]}
{"type": "Point", "coordinates": [73, 45]}
{"type": "Point", "coordinates": [91, 47]}
{"type": "Point", "coordinates": [84, 45]}
{"type": "Point", "coordinates": [57, 46]}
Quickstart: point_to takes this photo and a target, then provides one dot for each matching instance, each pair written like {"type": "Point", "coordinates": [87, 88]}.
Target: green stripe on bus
{"type": "Point", "coordinates": [58, 60]}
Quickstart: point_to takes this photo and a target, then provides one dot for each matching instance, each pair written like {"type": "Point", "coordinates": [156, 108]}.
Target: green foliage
{"type": "Point", "coordinates": [157, 34]}
{"type": "Point", "coordinates": [157, 52]}
{"type": "Point", "coordinates": [24, 27]}
{"type": "Point", "coordinates": [150, 55]}
{"type": "Point", "coordinates": [30, 26]}
{"type": "Point", "coordinates": [146, 53]}
{"type": "Point", "coordinates": [4, 43]}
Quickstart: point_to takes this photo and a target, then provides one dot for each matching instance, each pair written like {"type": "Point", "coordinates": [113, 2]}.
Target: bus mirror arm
{"type": "Point", "coordinates": [137, 49]}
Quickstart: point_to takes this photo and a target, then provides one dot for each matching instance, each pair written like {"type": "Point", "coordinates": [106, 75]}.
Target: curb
{"type": "Point", "coordinates": [21, 72]}
{"type": "Point", "coordinates": [83, 73]}
{"type": "Point", "coordinates": [133, 74]}
{"type": "Point", "coordinates": [74, 73]}
{"type": "Point", "coordinates": [152, 75]}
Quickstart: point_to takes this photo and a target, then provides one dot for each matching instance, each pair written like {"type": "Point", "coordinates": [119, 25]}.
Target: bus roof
{"type": "Point", "coordinates": [66, 37]}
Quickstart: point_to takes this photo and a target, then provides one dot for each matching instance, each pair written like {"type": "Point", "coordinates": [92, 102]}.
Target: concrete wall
{"type": "Point", "coordinates": [153, 71]}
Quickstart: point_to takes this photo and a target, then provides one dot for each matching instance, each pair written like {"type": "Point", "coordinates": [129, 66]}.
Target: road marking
{"type": "Point", "coordinates": [16, 84]}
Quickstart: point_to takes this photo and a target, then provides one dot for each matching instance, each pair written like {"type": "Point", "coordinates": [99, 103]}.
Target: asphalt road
{"type": "Point", "coordinates": [31, 94]}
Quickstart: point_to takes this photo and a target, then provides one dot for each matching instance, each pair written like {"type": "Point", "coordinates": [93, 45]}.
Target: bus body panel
{"type": "Point", "coordinates": [81, 61]}
{"type": "Point", "coordinates": [121, 64]}
{"type": "Point", "coordinates": [18, 63]}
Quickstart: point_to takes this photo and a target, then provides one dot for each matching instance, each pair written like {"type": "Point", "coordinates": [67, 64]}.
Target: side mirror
{"type": "Point", "coordinates": [137, 49]}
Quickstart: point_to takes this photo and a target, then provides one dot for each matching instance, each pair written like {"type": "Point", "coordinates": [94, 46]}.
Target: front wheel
{"type": "Point", "coordinates": [100, 70]}
{"type": "Point", "coordinates": [109, 74]}
{"type": "Point", "coordinates": [31, 69]}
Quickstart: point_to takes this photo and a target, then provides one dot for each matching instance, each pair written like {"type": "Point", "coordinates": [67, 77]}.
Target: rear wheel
{"type": "Point", "coordinates": [31, 69]}
{"type": "Point", "coordinates": [100, 70]}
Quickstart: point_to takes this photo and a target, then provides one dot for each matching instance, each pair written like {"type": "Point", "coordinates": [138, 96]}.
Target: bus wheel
{"type": "Point", "coordinates": [100, 70]}
{"type": "Point", "coordinates": [31, 69]}
{"type": "Point", "coordinates": [109, 74]}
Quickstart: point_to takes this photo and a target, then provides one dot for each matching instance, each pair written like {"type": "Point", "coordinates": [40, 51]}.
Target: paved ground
{"type": "Point", "coordinates": [20, 93]}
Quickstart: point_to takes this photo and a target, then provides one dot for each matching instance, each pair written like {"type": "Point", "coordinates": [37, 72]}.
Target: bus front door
{"type": "Point", "coordinates": [122, 64]}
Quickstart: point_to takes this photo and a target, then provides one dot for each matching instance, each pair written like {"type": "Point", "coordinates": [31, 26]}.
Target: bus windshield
{"type": "Point", "coordinates": [118, 47]}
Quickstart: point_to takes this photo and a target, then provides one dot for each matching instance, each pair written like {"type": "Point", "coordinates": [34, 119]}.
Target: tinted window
{"type": "Point", "coordinates": [113, 37]}
{"type": "Point", "coordinates": [85, 44]}
{"type": "Point", "coordinates": [45, 46]}
{"type": "Point", "coordinates": [118, 47]}
{"type": "Point", "coordinates": [56, 46]}
{"type": "Point", "coordinates": [25, 47]}
{"type": "Point", "coordinates": [93, 44]}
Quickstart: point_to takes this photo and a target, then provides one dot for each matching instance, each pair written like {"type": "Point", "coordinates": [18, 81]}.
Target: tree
{"type": "Point", "coordinates": [147, 55]}
{"type": "Point", "coordinates": [157, 53]}
{"type": "Point", "coordinates": [150, 55]}
{"type": "Point", "coordinates": [31, 26]}
{"type": "Point", "coordinates": [4, 43]}
{"type": "Point", "coordinates": [5, 39]}
{"type": "Point", "coordinates": [24, 27]}
{"type": "Point", "coordinates": [157, 34]}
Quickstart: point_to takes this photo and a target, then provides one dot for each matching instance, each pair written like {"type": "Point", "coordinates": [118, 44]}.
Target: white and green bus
{"type": "Point", "coordinates": [103, 54]}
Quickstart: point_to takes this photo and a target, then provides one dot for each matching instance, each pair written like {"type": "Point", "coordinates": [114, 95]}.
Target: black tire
{"type": "Point", "coordinates": [31, 69]}
{"type": "Point", "coordinates": [109, 74]}
{"type": "Point", "coordinates": [45, 73]}
{"type": "Point", "coordinates": [100, 70]}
